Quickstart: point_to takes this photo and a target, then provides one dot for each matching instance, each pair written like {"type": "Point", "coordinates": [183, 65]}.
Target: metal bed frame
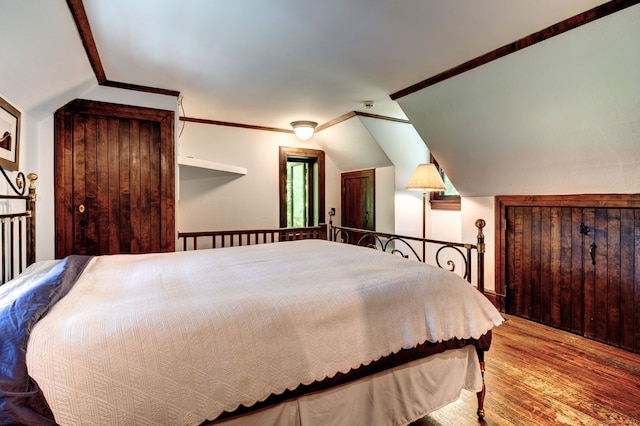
{"type": "Point", "coordinates": [17, 227]}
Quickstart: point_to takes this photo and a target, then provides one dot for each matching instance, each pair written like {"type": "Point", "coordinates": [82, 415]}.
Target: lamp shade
{"type": "Point", "coordinates": [304, 129]}
{"type": "Point", "coordinates": [426, 178]}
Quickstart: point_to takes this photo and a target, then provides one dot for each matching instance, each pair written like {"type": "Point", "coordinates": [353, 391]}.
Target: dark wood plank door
{"type": "Point", "coordinates": [358, 201]}
{"type": "Point", "coordinates": [612, 276]}
{"type": "Point", "coordinates": [575, 268]}
{"type": "Point", "coordinates": [544, 269]}
{"type": "Point", "coordinates": [114, 176]}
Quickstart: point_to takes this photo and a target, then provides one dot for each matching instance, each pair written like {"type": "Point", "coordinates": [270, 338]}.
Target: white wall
{"type": "Point", "coordinates": [28, 129]}
{"type": "Point", "coordinates": [385, 208]}
{"type": "Point", "coordinates": [31, 160]}
{"type": "Point", "coordinates": [210, 200]}
{"type": "Point", "coordinates": [474, 208]}
{"type": "Point", "coordinates": [559, 117]}
{"type": "Point", "coordinates": [216, 200]}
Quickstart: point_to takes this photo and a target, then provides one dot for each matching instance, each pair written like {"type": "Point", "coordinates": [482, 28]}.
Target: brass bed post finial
{"type": "Point", "coordinates": [480, 224]}
{"type": "Point", "coordinates": [32, 185]}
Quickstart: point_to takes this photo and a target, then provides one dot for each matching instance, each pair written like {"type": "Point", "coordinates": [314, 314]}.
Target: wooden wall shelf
{"type": "Point", "coordinates": [204, 164]}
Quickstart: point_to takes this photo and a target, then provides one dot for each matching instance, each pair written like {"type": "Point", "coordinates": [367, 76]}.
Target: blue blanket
{"type": "Point", "coordinates": [21, 400]}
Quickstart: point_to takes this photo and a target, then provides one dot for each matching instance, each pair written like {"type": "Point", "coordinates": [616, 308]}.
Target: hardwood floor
{"type": "Point", "coordinates": [537, 375]}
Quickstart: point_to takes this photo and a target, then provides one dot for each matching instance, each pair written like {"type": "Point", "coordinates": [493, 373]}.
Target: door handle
{"type": "Point", "coordinates": [81, 208]}
{"type": "Point", "coordinates": [592, 252]}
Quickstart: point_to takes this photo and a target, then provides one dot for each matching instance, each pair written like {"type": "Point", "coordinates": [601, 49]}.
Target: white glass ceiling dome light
{"type": "Point", "coordinates": [304, 129]}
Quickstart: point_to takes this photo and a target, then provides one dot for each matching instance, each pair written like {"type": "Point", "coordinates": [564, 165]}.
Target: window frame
{"type": "Point", "coordinates": [313, 157]}
{"type": "Point", "coordinates": [438, 200]}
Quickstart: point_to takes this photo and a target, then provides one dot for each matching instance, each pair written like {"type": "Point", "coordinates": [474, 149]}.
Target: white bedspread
{"type": "Point", "coordinates": [178, 338]}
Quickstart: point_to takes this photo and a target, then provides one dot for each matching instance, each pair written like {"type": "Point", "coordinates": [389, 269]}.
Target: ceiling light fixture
{"type": "Point", "coordinates": [304, 129]}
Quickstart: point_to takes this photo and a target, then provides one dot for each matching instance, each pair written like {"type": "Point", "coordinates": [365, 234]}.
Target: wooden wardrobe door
{"type": "Point", "coordinates": [544, 265]}
{"type": "Point", "coordinates": [612, 276]}
{"type": "Point", "coordinates": [114, 179]}
{"type": "Point", "coordinates": [574, 266]}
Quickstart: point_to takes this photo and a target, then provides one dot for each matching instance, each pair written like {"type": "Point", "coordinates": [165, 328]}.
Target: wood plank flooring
{"type": "Point", "coordinates": [537, 375]}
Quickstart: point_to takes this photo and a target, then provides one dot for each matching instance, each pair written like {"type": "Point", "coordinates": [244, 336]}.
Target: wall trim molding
{"type": "Point", "coordinates": [321, 127]}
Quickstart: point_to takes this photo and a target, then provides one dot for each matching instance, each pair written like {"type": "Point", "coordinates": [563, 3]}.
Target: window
{"type": "Point", "coordinates": [301, 187]}
{"type": "Point", "coordinates": [449, 199]}
{"type": "Point", "coordinates": [300, 178]}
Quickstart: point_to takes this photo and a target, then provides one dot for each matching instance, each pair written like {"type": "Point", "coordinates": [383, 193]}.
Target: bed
{"type": "Point", "coordinates": [304, 332]}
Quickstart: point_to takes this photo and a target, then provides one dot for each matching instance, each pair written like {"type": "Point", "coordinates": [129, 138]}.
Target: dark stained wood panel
{"type": "Point", "coordinates": [589, 283]}
{"type": "Point", "coordinates": [113, 185]}
{"type": "Point", "coordinates": [358, 199]}
{"type": "Point", "coordinates": [601, 275]}
{"type": "Point", "coordinates": [358, 202]}
{"type": "Point", "coordinates": [526, 255]}
{"type": "Point", "coordinates": [545, 265]}
{"type": "Point", "coordinates": [636, 280]}
{"type": "Point", "coordinates": [573, 267]}
{"type": "Point", "coordinates": [511, 259]}
{"type": "Point", "coordinates": [636, 315]}
{"type": "Point", "coordinates": [627, 288]}
{"type": "Point", "coordinates": [535, 263]}
{"type": "Point", "coordinates": [564, 295]}
{"type": "Point", "coordinates": [79, 188]}
{"type": "Point", "coordinates": [613, 277]}
{"type": "Point", "coordinates": [577, 290]}
{"type": "Point", "coordinates": [553, 286]}
{"type": "Point", "coordinates": [117, 162]}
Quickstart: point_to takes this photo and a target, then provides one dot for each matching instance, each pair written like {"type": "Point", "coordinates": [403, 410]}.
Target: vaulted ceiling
{"type": "Point", "coordinates": [267, 63]}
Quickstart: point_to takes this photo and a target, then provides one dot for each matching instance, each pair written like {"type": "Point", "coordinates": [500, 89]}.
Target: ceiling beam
{"type": "Point", "coordinates": [81, 20]}
{"type": "Point", "coordinates": [545, 34]}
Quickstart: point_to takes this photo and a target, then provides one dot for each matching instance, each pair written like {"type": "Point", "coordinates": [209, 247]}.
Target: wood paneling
{"type": "Point", "coordinates": [358, 202]}
{"type": "Point", "coordinates": [118, 163]}
{"type": "Point", "coordinates": [584, 282]}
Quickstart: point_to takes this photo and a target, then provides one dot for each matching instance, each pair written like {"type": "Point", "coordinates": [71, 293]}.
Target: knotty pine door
{"type": "Point", "coordinates": [114, 179]}
{"type": "Point", "coordinates": [576, 268]}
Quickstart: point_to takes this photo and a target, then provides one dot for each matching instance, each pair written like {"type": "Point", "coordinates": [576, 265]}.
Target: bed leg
{"type": "Point", "coordinates": [481, 394]}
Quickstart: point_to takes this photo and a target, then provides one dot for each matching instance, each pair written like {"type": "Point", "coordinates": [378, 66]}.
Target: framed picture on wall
{"type": "Point", "coordinates": [9, 135]}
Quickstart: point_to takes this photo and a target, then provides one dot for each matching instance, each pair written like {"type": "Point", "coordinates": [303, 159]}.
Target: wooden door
{"type": "Point", "coordinates": [358, 201]}
{"type": "Point", "coordinates": [572, 265]}
{"type": "Point", "coordinates": [544, 267]}
{"type": "Point", "coordinates": [114, 179]}
{"type": "Point", "coordinates": [612, 276]}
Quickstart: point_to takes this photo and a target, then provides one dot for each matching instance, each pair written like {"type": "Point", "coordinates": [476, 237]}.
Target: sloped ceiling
{"type": "Point", "coordinates": [352, 147]}
{"type": "Point", "coordinates": [42, 62]}
{"type": "Point", "coordinates": [269, 63]}
{"type": "Point", "coordinates": [561, 116]}
{"type": "Point", "coordinates": [397, 139]}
